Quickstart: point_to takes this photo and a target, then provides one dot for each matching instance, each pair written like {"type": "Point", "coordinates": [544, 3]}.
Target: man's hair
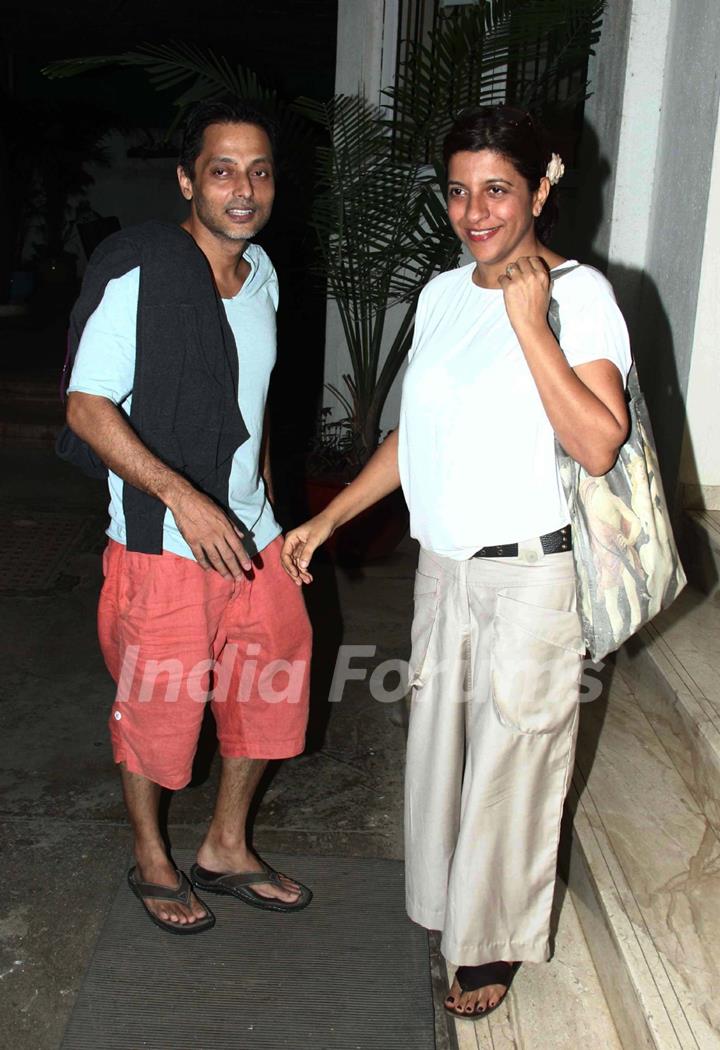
{"type": "Point", "coordinates": [203, 114]}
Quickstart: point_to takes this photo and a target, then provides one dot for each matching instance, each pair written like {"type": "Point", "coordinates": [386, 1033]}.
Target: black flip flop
{"type": "Point", "coordinates": [181, 894]}
{"type": "Point", "coordinates": [472, 978]}
{"type": "Point", "coordinates": [237, 884]}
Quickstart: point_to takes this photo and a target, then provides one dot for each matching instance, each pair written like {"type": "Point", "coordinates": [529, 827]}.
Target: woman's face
{"type": "Point", "coordinates": [491, 208]}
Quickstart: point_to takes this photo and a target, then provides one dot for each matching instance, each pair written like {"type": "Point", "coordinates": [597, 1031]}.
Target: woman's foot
{"type": "Point", "coordinates": [476, 990]}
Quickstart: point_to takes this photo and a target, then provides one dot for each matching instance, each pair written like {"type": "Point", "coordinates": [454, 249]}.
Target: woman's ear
{"type": "Point", "coordinates": [541, 195]}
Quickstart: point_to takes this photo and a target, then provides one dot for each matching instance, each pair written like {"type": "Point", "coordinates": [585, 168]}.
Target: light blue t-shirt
{"type": "Point", "coordinates": [105, 366]}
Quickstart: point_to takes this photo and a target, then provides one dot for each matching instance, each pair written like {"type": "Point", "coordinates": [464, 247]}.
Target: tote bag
{"type": "Point", "coordinates": [627, 566]}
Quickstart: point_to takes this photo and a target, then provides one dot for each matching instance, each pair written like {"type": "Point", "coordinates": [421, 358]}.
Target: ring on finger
{"type": "Point", "coordinates": [510, 269]}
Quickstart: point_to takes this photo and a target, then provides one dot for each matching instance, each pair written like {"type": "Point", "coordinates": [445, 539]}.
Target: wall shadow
{"type": "Point", "coordinates": [581, 234]}
{"type": "Point", "coordinates": [583, 226]}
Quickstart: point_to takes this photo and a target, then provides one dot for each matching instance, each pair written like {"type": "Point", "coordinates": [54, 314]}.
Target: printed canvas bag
{"type": "Point", "coordinates": [626, 563]}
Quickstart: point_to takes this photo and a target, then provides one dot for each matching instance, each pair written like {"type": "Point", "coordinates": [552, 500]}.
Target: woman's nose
{"type": "Point", "coordinates": [477, 208]}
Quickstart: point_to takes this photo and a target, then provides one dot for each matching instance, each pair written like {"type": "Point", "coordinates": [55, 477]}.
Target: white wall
{"type": "Point", "coordinates": [700, 465]}
{"type": "Point", "coordinates": [656, 125]}
{"type": "Point", "coordinates": [679, 213]}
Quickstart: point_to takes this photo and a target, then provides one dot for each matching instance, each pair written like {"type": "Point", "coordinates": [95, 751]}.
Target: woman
{"type": "Point", "coordinates": [496, 640]}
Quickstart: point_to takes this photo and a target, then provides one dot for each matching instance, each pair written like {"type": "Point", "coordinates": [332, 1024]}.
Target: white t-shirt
{"type": "Point", "coordinates": [105, 366]}
{"type": "Point", "coordinates": [476, 449]}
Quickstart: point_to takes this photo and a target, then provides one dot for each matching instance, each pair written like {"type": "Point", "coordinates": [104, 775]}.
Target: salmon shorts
{"type": "Point", "coordinates": [175, 636]}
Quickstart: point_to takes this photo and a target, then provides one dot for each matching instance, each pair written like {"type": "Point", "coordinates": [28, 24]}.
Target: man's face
{"type": "Point", "coordinates": [234, 186]}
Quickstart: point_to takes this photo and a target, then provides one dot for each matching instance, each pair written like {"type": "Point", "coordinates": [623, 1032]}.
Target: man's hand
{"type": "Point", "coordinates": [301, 544]}
{"type": "Point", "coordinates": [209, 533]}
{"type": "Point", "coordinates": [526, 289]}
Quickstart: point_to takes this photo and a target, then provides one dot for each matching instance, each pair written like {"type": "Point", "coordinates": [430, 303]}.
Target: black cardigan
{"type": "Point", "coordinates": [184, 398]}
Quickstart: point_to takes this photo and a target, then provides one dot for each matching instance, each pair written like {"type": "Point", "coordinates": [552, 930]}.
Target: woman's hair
{"type": "Point", "coordinates": [515, 135]}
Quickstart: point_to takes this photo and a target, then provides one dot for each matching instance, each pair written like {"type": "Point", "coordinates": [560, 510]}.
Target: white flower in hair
{"type": "Point", "coordinates": [555, 169]}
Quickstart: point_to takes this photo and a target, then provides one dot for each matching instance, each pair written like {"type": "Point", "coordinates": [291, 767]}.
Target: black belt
{"type": "Point", "coordinates": [552, 543]}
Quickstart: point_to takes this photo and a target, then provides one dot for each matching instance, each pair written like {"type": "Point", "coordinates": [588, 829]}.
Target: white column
{"type": "Point", "coordinates": [367, 39]}
{"type": "Point", "coordinates": [700, 467]}
{"type": "Point", "coordinates": [655, 122]}
{"type": "Point", "coordinates": [367, 36]}
{"type": "Point", "coordinates": [627, 77]}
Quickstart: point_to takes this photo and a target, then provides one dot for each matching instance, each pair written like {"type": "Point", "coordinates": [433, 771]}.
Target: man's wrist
{"type": "Point", "coordinates": [172, 490]}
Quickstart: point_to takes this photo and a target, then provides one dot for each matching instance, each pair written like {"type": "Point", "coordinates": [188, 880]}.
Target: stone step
{"type": "Point", "coordinates": [702, 549]}
{"type": "Point", "coordinates": [644, 870]}
{"type": "Point", "coordinates": [673, 669]}
{"type": "Point", "coordinates": [554, 1006]}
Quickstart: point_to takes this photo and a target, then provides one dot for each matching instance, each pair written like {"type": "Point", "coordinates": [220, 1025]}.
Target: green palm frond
{"type": "Point", "coordinates": [197, 74]}
{"type": "Point", "coordinates": [471, 53]}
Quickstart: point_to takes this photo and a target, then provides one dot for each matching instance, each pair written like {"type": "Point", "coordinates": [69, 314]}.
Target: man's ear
{"type": "Point", "coordinates": [185, 183]}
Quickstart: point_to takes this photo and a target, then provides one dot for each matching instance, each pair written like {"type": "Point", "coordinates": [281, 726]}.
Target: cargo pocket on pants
{"type": "Point", "coordinates": [426, 596]}
{"type": "Point", "coordinates": [536, 664]}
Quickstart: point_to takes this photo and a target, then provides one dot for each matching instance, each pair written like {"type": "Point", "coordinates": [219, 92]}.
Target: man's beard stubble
{"type": "Point", "coordinates": [211, 222]}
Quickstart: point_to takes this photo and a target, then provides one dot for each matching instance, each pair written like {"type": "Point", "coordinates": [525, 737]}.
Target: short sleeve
{"type": "Point", "coordinates": [592, 327]}
{"type": "Point", "coordinates": [420, 311]}
{"type": "Point", "coordinates": [105, 362]}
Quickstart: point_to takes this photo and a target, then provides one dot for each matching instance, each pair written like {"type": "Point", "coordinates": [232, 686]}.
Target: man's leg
{"type": "Point", "coordinates": [225, 847]}
{"type": "Point", "coordinates": [142, 799]}
{"type": "Point", "coordinates": [257, 712]}
{"type": "Point", "coordinates": [155, 621]}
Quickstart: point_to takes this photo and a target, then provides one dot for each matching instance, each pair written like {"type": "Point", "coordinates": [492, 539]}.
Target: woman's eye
{"type": "Point", "coordinates": [497, 191]}
{"type": "Point", "coordinates": [455, 191]}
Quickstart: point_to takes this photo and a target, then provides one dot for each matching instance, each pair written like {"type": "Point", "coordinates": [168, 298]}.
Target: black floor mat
{"type": "Point", "coordinates": [351, 972]}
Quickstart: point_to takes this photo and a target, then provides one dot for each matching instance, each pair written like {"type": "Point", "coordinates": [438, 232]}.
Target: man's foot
{"type": "Point", "coordinates": [476, 990]}
{"type": "Point", "coordinates": [162, 872]}
{"type": "Point", "coordinates": [225, 861]}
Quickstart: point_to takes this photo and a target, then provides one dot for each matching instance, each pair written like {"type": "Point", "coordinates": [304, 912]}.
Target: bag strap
{"type": "Point", "coordinates": [633, 382]}
{"type": "Point", "coordinates": [562, 269]}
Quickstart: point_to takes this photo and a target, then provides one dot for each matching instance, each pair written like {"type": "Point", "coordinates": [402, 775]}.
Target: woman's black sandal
{"type": "Point", "coordinates": [472, 978]}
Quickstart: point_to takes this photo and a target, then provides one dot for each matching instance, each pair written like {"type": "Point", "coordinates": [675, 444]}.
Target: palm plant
{"type": "Point", "coordinates": [194, 74]}
{"type": "Point", "coordinates": [383, 233]}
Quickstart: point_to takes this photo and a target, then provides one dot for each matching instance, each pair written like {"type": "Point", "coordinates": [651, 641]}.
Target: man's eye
{"type": "Point", "coordinates": [261, 173]}
{"type": "Point", "coordinates": [219, 171]}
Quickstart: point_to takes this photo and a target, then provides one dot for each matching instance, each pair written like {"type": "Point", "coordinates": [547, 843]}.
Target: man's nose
{"type": "Point", "coordinates": [242, 186]}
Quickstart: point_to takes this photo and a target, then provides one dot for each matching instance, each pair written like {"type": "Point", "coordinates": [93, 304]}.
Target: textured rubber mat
{"type": "Point", "coordinates": [350, 972]}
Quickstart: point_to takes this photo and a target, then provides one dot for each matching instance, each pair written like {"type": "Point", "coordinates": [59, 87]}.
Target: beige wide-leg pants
{"type": "Point", "coordinates": [495, 669]}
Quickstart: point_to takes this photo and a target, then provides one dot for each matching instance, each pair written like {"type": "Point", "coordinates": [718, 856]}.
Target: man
{"type": "Point", "coordinates": [169, 384]}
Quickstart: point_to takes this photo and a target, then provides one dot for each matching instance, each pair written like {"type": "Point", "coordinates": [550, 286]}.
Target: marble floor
{"type": "Point", "coordinates": [659, 857]}
{"type": "Point", "coordinates": [554, 1006]}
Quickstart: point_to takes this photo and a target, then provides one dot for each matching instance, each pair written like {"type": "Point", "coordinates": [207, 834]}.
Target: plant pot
{"type": "Point", "coordinates": [373, 534]}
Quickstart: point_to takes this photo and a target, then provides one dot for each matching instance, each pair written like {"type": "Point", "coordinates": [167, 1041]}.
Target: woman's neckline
{"type": "Point", "coordinates": [555, 272]}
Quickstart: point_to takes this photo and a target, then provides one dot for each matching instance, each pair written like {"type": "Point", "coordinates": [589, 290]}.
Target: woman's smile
{"type": "Point", "coordinates": [481, 236]}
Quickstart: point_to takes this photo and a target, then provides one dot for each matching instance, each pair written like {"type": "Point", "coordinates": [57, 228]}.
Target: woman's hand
{"type": "Point", "coordinates": [300, 545]}
{"type": "Point", "coordinates": [526, 289]}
